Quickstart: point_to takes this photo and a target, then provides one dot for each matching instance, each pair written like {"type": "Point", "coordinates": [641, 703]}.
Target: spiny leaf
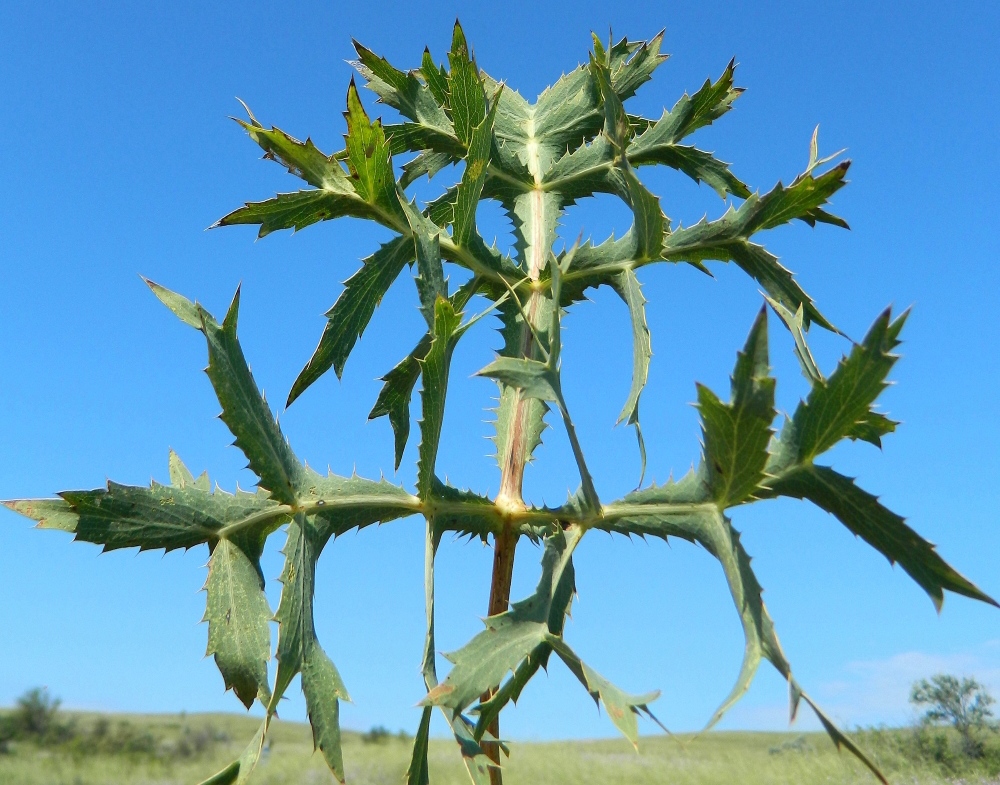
{"type": "Point", "coordinates": [323, 690]}
{"type": "Point", "coordinates": [296, 210]}
{"type": "Point", "coordinates": [700, 166]}
{"type": "Point", "coordinates": [426, 240]}
{"type": "Point", "coordinates": [303, 159]}
{"type": "Point", "coordinates": [688, 115]}
{"type": "Point", "coordinates": [161, 516]}
{"type": "Point", "coordinates": [181, 477]}
{"type": "Point", "coordinates": [795, 322]}
{"type": "Point", "coordinates": [650, 223]}
{"type": "Point", "coordinates": [435, 76]}
{"type": "Point", "coordinates": [466, 96]}
{"type": "Point", "coordinates": [534, 379]}
{"type": "Point", "coordinates": [49, 513]}
{"type": "Point", "coordinates": [427, 163]}
{"type": "Point", "coordinates": [339, 504]}
{"type": "Point", "coordinates": [629, 289]}
{"type": "Point", "coordinates": [569, 112]}
{"type": "Point", "coordinates": [349, 316]}
{"type": "Point", "coordinates": [394, 397]}
{"type": "Point", "coordinates": [417, 772]}
{"type": "Point", "coordinates": [511, 636]}
{"type": "Point", "coordinates": [622, 708]}
{"type": "Point", "coordinates": [736, 434]}
{"type": "Point", "coordinates": [471, 188]}
{"type": "Point", "coordinates": [834, 410]}
{"type": "Point", "coordinates": [368, 157]}
{"type": "Point", "coordinates": [464, 512]}
{"type": "Point", "coordinates": [238, 772]}
{"type": "Point", "coordinates": [296, 633]}
{"type": "Point", "coordinates": [871, 428]}
{"type": "Point", "coordinates": [336, 192]}
{"type": "Point", "coordinates": [402, 91]}
{"type": "Point", "coordinates": [678, 510]}
{"type": "Point", "coordinates": [435, 367]}
{"type": "Point", "coordinates": [489, 710]}
{"type": "Point", "coordinates": [885, 531]}
{"type": "Point", "coordinates": [244, 409]}
{"type": "Point", "coordinates": [238, 617]}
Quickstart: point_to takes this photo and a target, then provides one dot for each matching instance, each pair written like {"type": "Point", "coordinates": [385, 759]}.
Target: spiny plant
{"type": "Point", "coordinates": [575, 141]}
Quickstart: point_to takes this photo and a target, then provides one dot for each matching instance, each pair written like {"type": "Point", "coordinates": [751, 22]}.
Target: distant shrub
{"type": "Point", "coordinates": [799, 744]}
{"type": "Point", "coordinates": [929, 748]}
{"type": "Point", "coordinates": [376, 735]}
{"type": "Point", "coordinates": [36, 720]}
{"type": "Point", "coordinates": [962, 703]}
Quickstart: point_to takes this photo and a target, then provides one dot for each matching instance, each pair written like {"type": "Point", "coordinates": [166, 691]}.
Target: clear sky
{"type": "Point", "coordinates": [117, 156]}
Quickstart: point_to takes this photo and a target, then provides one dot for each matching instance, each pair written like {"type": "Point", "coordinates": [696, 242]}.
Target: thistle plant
{"type": "Point", "coordinates": [536, 160]}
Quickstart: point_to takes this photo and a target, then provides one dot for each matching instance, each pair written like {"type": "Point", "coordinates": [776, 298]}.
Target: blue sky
{"type": "Point", "coordinates": [119, 154]}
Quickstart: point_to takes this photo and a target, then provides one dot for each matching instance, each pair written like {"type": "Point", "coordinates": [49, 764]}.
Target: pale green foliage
{"type": "Point", "coordinates": [962, 703]}
{"type": "Point", "coordinates": [535, 159]}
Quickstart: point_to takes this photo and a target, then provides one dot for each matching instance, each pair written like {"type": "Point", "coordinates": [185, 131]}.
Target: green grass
{"type": "Point", "coordinates": [745, 758]}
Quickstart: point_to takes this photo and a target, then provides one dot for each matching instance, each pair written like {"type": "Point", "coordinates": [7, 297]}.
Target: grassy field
{"type": "Point", "coordinates": [745, 758]}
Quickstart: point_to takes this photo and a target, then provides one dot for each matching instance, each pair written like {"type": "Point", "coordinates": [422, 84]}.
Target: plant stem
{"type": "Point", "coordinates": [505, 545]}
{"type": "Point", "coordinates": [510, 497]}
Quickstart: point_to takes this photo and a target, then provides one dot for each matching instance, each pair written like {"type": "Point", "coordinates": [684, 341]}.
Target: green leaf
{"type": "Point", "coordinates": [569, 112]}
{"type": "Point", "coordinates": [394, 397]}
{"type": "Point", "coordinates": [471, 189]}
{"type": "Point", "coordinates": [402, 91]}
{"type": "Point", "coordinates": [534, 379]}
{"type": "Point", "coordinates": [323, 690]}
{"type": "Point", "coordinates": [795, 322]}
{"type": "Point", "coordinates": [238, 772]}
{"type": "Point", "coordinates": [622, 708]}
{"type": "Point", "coordinates": [238, 617]}
{"type": "Point", "coordinates": [296, 632]}
{"type": "Point", "coordinates": [296, 211]}
{"type": "Point", "coordinates": [49, 513]}
{"type": "Point", "coordinates": [466, 95]}
{"type": "Point", "coordinates": [181, 477]}
{"type": "Point", "coordinates": [417, 772]}
{"type": "Point", "coordinates": [359, 192]}
{"type": "Point", "coordinates": [736, 435]}
{"type": "Point", "coordinates": [842, 406]}
{"type": "Point", "coordinates": [349, 316]}
{"type": "Point", "coordinates": [630, 290]}
{"type": "Point", "coordinates": [427, 163]}
{"type": "Point", "coordinates": [303, 159]}
{"type": "Point", "coordinates": [368, 159]}
{"type": "Point", "coordinates": [464, 512]}
{"type": "Point", "coordinates": [679, 510]}
{"type": "Point", "coordinates": [160, 516]}
{"type": "Point", "coordinates": [659, 143]}
{"type": "Point", "coordinates": [435, 367]}
{"type": "Point", "coordinates": [489, 710]}
{"type": "Point", "coordinates": [339, 504]}
{"type": "Point", "coordinates": [632, 64]}
{"type": "Point", "coordinates": [885, 531]}
{"type": "Point", "coordinates": [511, 636]}
{"type": "Point", "coordinates": [691, 113]}
{"type": "Point", "coordinates": [435, 76]}
{"type": "Point", "coordinates": [700, 166]}
{"type": "Point", "coordinates": [650, 223]}
{"type": "Point", "coordinates": [244, 409]}
{"type": "Point", "coordinates": [802, 200]}
{"type": "Point", "coordinates": [427, 248]}
{"type": "Point", "coordinates": [871, 428]}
